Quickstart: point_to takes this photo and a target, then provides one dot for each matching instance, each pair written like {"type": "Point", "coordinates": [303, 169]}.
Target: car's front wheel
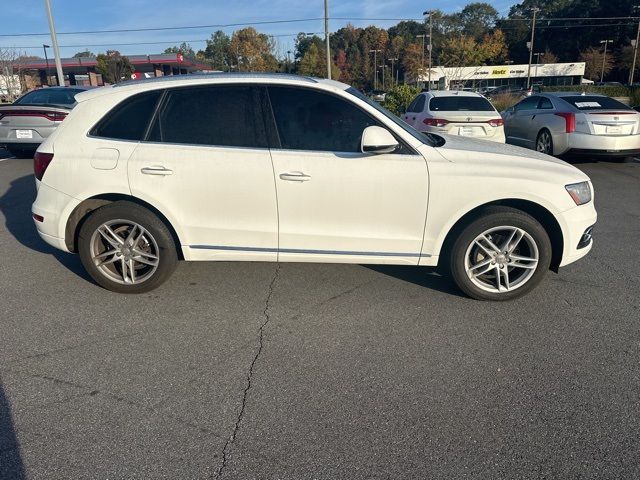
{"type": "Point", "coordinates": [501, 255]}
{"type": "Point", "coordinates": [126, 248]}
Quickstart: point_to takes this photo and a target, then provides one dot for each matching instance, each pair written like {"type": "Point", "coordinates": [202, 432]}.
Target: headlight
{"type": "Point", "coordinates": [580, 192]}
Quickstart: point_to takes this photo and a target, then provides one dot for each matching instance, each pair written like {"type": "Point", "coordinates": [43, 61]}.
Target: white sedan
{"type": "Point", "coordinates": [455, 112]}
{"type": "Point", "coordinates": [278, 168]}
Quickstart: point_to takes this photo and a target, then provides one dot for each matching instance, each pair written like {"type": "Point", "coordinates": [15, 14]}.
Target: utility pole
{"type": "Point", "coordinates": [430, 47]}
{"type": "Point", "coordinates": [326, 37]}
{"type": "Point", "coordinates": [635, 49]}
{"type": "Point", "coordinates": [422, 61]}
{"type": "Point", "coordinates": [535, 10]}
{"type": "Point", "coordinates": [288, 61]}
{"type": "Point", "coordinates": [537, 54]}
{"type": "Point", "coordinates": [46, 60]}
{"type": "Point", "coordinates": [375, 68]}
{"type": "Point", "coordinates": [54, 42]}
{"type": "Point", "coordinates": [604, 57]}
{"type": "Point", "coordinates": [392, 60]}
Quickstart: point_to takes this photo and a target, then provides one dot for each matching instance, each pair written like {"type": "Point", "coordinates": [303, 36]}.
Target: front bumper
{"type": "Point", "coordinates": [575, 223]}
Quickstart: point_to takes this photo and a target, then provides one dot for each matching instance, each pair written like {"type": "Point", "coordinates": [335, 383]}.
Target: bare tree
{"type": "Point", "coordinates": [11, 64]}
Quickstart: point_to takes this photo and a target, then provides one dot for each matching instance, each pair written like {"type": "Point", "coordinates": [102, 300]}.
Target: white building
{"type": "Point", "coordinates": [496, 75]}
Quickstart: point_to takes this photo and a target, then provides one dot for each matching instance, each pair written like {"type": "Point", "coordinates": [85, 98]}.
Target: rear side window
{"type": "Point", "coordinates": [545, 104]}
{"type": "Point", "coordinates": [312, 120]}
{"type": "Point", "coordinates": [418, 104]}
{"type": "Point", "coordinates": [129, 119]}
{"type": "Point", "coordinates": [593, 102]}
{"type": "Point", "coordinates": [460, 104]}
{"type": "Point", "coordinates": [530, 103]}
{"type": "Point", "coordinates": [213, 115]}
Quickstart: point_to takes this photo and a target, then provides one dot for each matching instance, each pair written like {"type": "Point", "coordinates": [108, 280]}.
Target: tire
{"type": "Point", "coordinates": [544, 142]}
{"type": "Point", "coordinates": [477, 267]}
{"type": "Point", "coordinates": [152, 255]}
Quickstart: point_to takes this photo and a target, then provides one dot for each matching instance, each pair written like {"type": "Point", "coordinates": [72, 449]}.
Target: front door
{"type": "Point", "coordinates": [206, 165]}
{"type": "Point", "coordinates": [334, 202]}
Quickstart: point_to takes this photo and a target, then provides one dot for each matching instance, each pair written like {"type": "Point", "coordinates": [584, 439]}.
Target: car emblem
{"type": "Point", "coordinates": [616, 118]}
{"type": "Point", "coordinates": [468, 119]}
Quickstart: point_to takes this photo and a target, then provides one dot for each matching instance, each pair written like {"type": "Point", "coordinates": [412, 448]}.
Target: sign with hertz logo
{"type": "Point", "coordinates": [499, 71]}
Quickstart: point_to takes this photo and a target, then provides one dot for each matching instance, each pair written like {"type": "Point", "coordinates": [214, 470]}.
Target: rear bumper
{"type": "Point", "coordinates": [602, 145]}
{"type": "Point", "coordinates": [8, 135]}
{"type": "Point", "coordinates": [54, 208]}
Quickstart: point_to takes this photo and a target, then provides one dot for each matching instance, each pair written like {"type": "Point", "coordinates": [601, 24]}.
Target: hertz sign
{"type": "Point", "coordinates": [499, 71]}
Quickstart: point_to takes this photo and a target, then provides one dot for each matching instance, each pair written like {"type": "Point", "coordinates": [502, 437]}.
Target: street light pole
{"type": "Point", "coordinates": [392, 60]}
{"type": "Point", "coordinates": [375, 68]}
{"type": "Point", "coordinates": [54, 42]}
{"type": "Point", "coordinates": [288, 61]}
{"type": "Point", "coordinates": [430, 13]}
{"type": "Point", "coordinates": [604, 57]}
{"type": "Point", "coordinates": [422, 61]}
{"type": "Point", "coordinates": [326, 37]}
{"type": "Point", "coordinates": [635, 50]}
{"type": "Point", "coordinates": [533, 32]}
{"type": "Point", "coordinates": [46, 60]}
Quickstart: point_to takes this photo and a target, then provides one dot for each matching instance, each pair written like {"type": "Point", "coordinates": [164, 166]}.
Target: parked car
{"type": "Point", "coordinates": [279, 168]}
{"type": "Point", "coordinates": [378, 95]}
{"type": "Point", "coordinates": [25, 123]}
{"type": "Point", "coordinates": [455, 113]}
{"type": "Point", "coordinates": [508, 89]}
{"type": "Point", "coordinates": [559, 123]}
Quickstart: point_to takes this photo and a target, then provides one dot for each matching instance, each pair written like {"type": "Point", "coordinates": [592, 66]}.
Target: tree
{"type": "Point", "coordinates": [625, 60]}
{"type": "Point", "coordinates": [253, 51]}
{"type": "Point", "coordinates": [593, 58]}
{"type": "Point", "coordinates": [184, 48]}
{"type": "Point", "coordinates": [113, 66]}
{"type": "Point", "coordinates": [477, 19]}
{"type": "Point", "coordinates": [217, 52]}
{"type": "Point", "coordinates": [399, 98]}
{"type": "Point", "coordinates": [548, 57]}
{"type": "Point", "coordinates": [412, 61]}
{"type": "Point", "coordinates": [11, 64]}
{"type": "Point", "coordinates": [314, 64]}
{"type": "Point", "coordinates": [84, 54]}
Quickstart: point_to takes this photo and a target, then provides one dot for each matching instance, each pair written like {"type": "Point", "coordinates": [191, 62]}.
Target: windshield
{"type": "Point", "coordinates": [50, 96]}
{"type": "Point", "coordinates": [594, 102]}
{"type": "Point", "coordinates": [422, 137]}
{"type": "Point", "coordinates": [460, 104]}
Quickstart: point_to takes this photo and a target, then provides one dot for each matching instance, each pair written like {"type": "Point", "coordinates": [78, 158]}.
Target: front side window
{"type": "Point", "coordinates": [228, 116]}
{"type": "Point", "coordinates": [311, 120]}
{"type": "Point", "coordinates": [129, 119]}
{"type": "Point", "coordinates": [529, 103]}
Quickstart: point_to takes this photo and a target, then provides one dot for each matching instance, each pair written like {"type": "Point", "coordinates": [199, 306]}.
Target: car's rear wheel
{"type": "Point", "coordinates": [544, 142]}
{"type": "Point", "coordinates": [126, 248]}
{"type": "Point", "coordinates": [502, 255]}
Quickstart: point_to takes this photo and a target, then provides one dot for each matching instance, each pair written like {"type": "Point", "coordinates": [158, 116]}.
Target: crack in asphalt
{"type": "Point", "coordinates": [232, 438]}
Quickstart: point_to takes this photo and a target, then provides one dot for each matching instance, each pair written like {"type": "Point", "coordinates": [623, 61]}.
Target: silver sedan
{"type": "Point", "coordinates": [570, 122]}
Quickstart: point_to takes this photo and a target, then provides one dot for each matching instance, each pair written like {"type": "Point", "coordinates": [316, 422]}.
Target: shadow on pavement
{"type": "Point", "coordinates": [11, 466]}
{"type": "Point", "coordinates": [15, 205]}
{"type": "Point", "coordinates": [422, 276]}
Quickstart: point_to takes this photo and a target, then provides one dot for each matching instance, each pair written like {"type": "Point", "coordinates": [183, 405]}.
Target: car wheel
{"type": "Point", "coordinates": [501, 255]}
{"type": "Point", "coordinates": [126, 248]}
{"type": "Point", "coordinates": [544, 142]}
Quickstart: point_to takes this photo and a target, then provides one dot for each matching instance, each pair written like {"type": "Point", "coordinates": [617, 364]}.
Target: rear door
{"type": "Point", "coordinates": [206, 163]}
{"type": "Point", "coordinates": [415, 111]}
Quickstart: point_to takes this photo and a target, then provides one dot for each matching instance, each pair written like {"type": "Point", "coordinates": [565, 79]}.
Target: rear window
{"type": "Point", "coordinates": [593, 102]}
{"type": "Point", "coordinates": [48, 96]}
{"type": "Point", "coordinates": [129, 119]}
{"type": "Point", "coordinates": [460, 104]}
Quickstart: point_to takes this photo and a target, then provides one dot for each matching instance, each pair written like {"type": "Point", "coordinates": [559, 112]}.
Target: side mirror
{"type": "Point", "coordinates": [378, 140]}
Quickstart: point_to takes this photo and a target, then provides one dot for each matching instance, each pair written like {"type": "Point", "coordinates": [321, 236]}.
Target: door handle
{"type": "Point", "coordinates": [295, 177]}
{"type": "Point", "coordinates": [533, 117]}
{"type": "Point", "coordinates": [156, 170]}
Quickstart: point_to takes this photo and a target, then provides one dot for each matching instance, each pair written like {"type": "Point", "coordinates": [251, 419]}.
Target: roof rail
{"type": "Point", "coordinates": [204, 75]}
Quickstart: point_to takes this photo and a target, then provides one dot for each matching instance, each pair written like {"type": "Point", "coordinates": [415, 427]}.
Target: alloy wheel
{"type": "Point", "coordinates": [124, 252]}
{"type": "Point", "coordinates": [544, 143]}
{"type": "Point", "coordinates": [501, 259]}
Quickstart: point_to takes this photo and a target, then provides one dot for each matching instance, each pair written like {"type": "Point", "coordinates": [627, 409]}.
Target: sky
{"type": "Point", "coordinates": [29, 16]}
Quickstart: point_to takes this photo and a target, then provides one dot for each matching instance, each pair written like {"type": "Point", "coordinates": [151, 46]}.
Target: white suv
{"type": "Point", "coordinates": [259, 167]}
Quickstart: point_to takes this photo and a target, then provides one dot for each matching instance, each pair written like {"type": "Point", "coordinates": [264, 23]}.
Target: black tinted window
{"type": "Point", "coordinates": [530, 103]}
{"type": "Point", "coordinates": [129, 119]}
{"type": "Point", "coordinates": [545, 104]}
{"type": "Point", "coordinates": [50, 96]}
{"type": "Point", "coordinates": [460, 103]}
{"type": "Point", "coordinates": [593, 102]}
{"type": "Point", "coordinates": [228, 116]}
{"type": "Point", "coordinates": [310, 120]}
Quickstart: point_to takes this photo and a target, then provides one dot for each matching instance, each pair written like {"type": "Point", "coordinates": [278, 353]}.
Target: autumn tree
{"type": "Point", "coordinates": [412, 61]}
{"type": "Point", "coordinates": [113, 66]}
{"type": "Point", "coordinates": [548, 57]}
{"type": "Point", "coordinates": [314, 64]}
{"type": "Point", "coordinates": [593, 58]}
{"type": "Point", "coordinates": [253, 51]}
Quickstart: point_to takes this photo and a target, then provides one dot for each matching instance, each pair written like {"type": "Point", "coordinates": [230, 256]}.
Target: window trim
{"type": "Point", "coordinates": [408, 150]}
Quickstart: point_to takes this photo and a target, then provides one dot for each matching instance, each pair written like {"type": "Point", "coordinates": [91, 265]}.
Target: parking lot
{"type": "Point", "coordinates": [291, 371]}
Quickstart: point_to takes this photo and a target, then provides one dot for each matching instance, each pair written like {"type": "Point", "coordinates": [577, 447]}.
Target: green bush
{"type": "Point", "coordinates": [634, 96]}
{"type": "Point", "coordinates": [609, 90]}
{"type": "Point", "coordinates": [399, 98]}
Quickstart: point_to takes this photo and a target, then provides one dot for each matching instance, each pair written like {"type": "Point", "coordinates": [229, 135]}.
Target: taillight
{"type": "Point", "coordinates": [496, 122]}
{"type": "Point", "coordinates": [53, 116]}
{"type": "Point", "coordinates": [569, 120]}
{"type": "Point", "coordinates": [40, 163]}
{"type": "Point", "coordinates": [56, 116]}
{"type": "Point", "coordinates": [435, 122]}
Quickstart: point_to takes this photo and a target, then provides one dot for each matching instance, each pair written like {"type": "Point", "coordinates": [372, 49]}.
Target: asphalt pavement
{"type": "Point", "coordinates": [305, 371]}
